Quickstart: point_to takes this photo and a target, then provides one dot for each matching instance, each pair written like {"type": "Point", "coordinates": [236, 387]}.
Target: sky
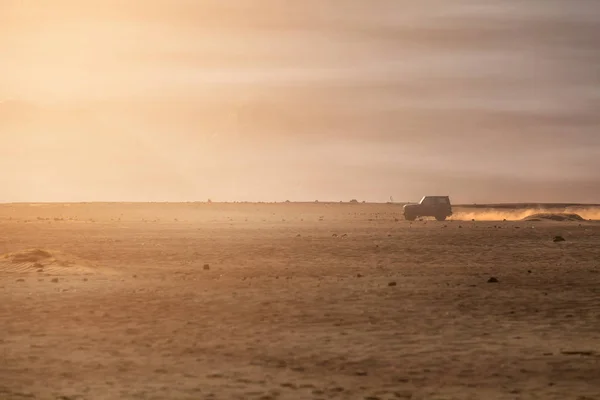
{"type": "Point", "coordinates": [272, 100]}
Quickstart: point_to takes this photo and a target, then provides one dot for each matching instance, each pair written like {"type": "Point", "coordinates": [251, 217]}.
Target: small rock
{"type": "Point", "coordinates": [493, 280]}
{"type": "Point", "coordinates": [558, 239]}
{"type": "Point", "coordinates": [359, 275]}
{"type": "Point", "coordinates": [392, 284]}
{"type": "Point", "coordinates": [55, 280]}
{"type": "Point", "coordinates": [206, 267]}
{"type": "Point", "coordinates": [528, 271]}
{"type": "Point", "coordinates": [20, 280]}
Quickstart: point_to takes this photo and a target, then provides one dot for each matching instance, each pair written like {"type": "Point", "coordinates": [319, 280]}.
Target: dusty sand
{"type": "Point", "coordinates": [297, 303]}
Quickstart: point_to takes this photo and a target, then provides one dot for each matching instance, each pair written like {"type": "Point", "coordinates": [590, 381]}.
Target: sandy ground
{"type": "Point", "coordinates": [298, 301]}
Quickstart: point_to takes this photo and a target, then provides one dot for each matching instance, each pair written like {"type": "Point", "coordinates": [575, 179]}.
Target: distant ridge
{"type": "Point", "coordinates": [526, 205]}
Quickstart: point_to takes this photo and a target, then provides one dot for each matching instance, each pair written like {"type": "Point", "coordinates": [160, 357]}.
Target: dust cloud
{"type": "Point", "coordinates": [587, 213]}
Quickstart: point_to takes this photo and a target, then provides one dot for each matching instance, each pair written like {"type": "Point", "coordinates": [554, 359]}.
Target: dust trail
{"type": "Point", "coordinates": [491, 214]}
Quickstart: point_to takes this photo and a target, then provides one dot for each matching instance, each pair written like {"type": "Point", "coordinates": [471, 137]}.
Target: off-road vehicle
{"type": "Point", "coordinates": [429, 206]}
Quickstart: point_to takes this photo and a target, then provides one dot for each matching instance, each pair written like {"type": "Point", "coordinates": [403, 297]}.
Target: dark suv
{"type": "Point", "coordinates": [429, 206]}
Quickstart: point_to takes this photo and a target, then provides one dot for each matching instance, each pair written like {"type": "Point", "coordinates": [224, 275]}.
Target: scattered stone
{"type": "Point", "coordinates": [493, 280]}
{"type": "Point", "coordinates": [558, 239]}
{"type": "Point", "coordinates": [334, 235]}
{"type": "Point", "coordinates": [359, 275]}
{"type": "Point", "coordinates": [85, 279]}
{"type": "Point", "coordinates": [20, 280]}
{"type": "Point", "coordinates": [392, 284]}
{"type": "Point", "coordinates": [528, 271]}
{"type": "Point", "coordinates": [289, 386]}
{"type": "Point", "coordinates": [206, 267]}
{"type": "Point", "coordinates": [55, 280]}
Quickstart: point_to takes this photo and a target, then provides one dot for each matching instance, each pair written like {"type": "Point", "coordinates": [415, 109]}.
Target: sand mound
{"type": "Point", "coordinates": [44, 261]}
{"type": "Point", "coordinates": [554, 217]}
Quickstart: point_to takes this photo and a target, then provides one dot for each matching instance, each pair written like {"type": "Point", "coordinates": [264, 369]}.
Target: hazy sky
{"type": "Point", "coordinates": [483, 100]}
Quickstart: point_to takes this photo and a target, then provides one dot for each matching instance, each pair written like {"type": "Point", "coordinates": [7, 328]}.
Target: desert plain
{"type": "Point", "coordinates": [296, 301]}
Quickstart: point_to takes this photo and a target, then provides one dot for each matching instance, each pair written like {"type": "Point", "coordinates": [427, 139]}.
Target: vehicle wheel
{"type": "Point", "coordinates": [410, 217]}
{"type": "Point", "coordinates": [441, 217]}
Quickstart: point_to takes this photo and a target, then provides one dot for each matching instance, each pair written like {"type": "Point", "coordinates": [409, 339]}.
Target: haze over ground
{"type": "Point", "coordinates": [486, 101]}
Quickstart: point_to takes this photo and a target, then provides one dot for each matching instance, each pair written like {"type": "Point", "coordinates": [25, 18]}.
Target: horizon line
{"type": "Point", "coordinates": [352, 202]}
